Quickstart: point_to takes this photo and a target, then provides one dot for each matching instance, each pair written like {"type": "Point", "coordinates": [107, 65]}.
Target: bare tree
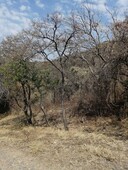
{"type": "Point", "coordinates": [91, 34]}
{"type": "Point", "coordinates": [100, 47]}
{"type": "Point", "coordinates": [54, 40]}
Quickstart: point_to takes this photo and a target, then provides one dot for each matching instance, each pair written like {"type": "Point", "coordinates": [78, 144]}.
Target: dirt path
{"type": "Point", "coordinates": [13, 159]}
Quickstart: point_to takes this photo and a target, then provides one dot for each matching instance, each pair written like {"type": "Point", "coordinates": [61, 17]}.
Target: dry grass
{"type": "Point", "coordinates": [78, 148]}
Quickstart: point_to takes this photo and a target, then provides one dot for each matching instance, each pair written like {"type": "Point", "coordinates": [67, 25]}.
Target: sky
{"type": "Point", "coordinates": [16, 15]}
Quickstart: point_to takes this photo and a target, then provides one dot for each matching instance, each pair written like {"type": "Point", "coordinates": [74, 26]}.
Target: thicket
{"type": "Point", "coordinates": [73, 58]}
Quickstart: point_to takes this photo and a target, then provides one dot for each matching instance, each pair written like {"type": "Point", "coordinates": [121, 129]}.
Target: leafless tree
{"type": "Point", "coordinates": [100, 47]}
{"type": "Point", "coordinates": [54, 40]}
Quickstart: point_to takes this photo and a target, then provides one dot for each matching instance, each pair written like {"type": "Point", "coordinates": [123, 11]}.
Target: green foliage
{"type": "Point", "coordinates": [49, 80]}
{"type": "Point", "coordinates": [16, 72]}
{"type": "Point", "coordinates": [43, 78]}
{"type": "Point", "coordinates": [19, 72]}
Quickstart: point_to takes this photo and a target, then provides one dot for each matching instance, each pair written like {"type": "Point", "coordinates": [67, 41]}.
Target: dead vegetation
{"type": "Point", "coordinates": [91, 145]}
{"type": "Point", "coordinates": [77, 66]}
{"type": "Point", "coordinates": [81, 83]}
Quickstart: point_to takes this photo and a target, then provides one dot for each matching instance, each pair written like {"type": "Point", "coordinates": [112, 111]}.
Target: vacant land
{"type": "Point", "coordinates": [91, 145]}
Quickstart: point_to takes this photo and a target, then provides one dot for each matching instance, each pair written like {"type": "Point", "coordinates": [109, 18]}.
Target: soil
{"type": "Point", "coordinates": [15, 159]}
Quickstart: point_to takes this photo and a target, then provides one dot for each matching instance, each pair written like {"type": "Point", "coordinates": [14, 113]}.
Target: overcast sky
{"type": "Point", "coordinates": [17, 14]}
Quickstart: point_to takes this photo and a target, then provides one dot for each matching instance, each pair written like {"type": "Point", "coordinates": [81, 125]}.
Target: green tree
{"type": "Point", "coordinates": [18, 78]}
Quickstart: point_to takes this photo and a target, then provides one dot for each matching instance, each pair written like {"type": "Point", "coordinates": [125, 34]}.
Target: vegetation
{"type": "Point", "coordinates": [68, 60]}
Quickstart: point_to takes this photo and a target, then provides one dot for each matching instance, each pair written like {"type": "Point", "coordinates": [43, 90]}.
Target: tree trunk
{"type": "Point", "coordinates": [43, 110]}
{"type": "Point", "coordinates": [62, 102]}
{"type": "Point", "coordinates": [27, 106]}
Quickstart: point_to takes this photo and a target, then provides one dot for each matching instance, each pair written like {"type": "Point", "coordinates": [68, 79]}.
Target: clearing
{"type": "Point", "coordinates": [83, 147]}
